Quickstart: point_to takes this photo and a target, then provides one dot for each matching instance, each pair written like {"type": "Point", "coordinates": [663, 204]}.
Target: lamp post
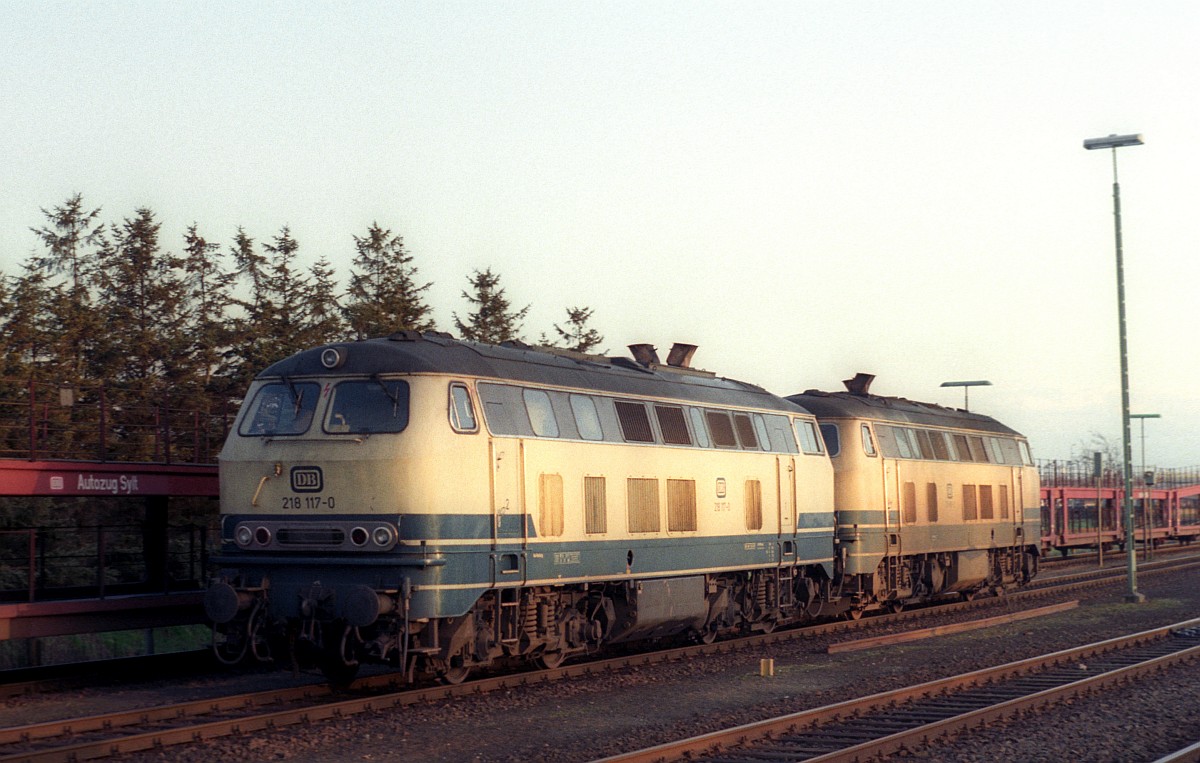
{"type": "Point", "coordinates": [966, 385]}
{"type": "Point", "coordinates": [1114, 142]}
{"type": "Point", "coordinates": [1148, 540]}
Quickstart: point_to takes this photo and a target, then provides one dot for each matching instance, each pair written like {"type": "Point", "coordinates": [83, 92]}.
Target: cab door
{"type": "Point", "coordinates": [509, 522]}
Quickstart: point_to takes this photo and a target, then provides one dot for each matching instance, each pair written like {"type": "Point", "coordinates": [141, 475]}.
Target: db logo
{"type": "Point", "coordinates": [307, 479]}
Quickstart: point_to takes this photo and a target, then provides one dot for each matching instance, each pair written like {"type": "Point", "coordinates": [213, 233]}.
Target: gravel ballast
{"type": "Point", "coordinates": [585, 718]}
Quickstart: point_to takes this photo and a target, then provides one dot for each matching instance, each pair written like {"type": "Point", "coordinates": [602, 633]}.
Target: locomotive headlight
{"type": "Point", "coordinates": [358, 536]}
{"type": "Point", "coordinates": [263, 536]}
{"type": "Point", "coordinates": [243, 535]}
{"type": "Point", "coordinates": [332, 357]}
{"type": "Point", "coordinates": [383, 536]}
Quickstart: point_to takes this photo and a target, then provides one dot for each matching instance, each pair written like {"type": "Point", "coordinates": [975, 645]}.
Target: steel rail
{"type": "Point", "coordinates": [188, 712]}
{"type": "Point", "coordinates": [810, 721]}
{"type": "Point", "coordinates": [1189, 754]}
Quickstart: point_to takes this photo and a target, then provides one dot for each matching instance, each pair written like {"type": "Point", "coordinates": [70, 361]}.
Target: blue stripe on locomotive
{"type": "Point", "coordinates": [447, 579]}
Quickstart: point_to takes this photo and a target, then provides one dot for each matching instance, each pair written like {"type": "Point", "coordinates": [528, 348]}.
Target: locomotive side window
{"type": "Point", "coordinates": [868, 444]}
{"type": "Point", "coordinates": [780, 435]}
{"type": "Point", "coordinates": [978, 453]}
{"type": "Point", "coordinates": [721, 428]}
{"type": "Point", "coordinates": [900, 436]}
{"type": "Point", "coordinates": [462, 413]}
{"type": "Point", "coordinates": [586, 418]}
{"type": "Point", "coordinates": [941, 450]}
{"type": "Point", "coordinates": [760, 428]}
{"type": "Point", "coordinates": [368, 407]}
{"type": "Point", "coordinates": [1012, 455]}
{"type": "Point", "coordinates": [1025, 455]}
{"type": "Point", "coordinates": [635, 423]}
{"type": "Point", "coordinates": [541, 413]}
{"type": "Point", "coordinates": [833, 440]}
{"type": "Point", "coordinates": [745, 431]}
{"type": "Point", "coordinates": [281, 408]}
{"type": "Point", "coordinates": [964, 450]}
{"type": "Point", "coordinates": [595, 505]}
{"type": "Point", "coordinates": [926, 443]}
{"type": "Point", "coordinates": [994, 450]}
{"type": "Point", "coordinates": [699, 428]}
{"type": "Point", "coordinates": [807, 434]}
{"type": "Point", "coordinates": [504, 410]}
{"type": "Point", "coordinates": [673, 425]}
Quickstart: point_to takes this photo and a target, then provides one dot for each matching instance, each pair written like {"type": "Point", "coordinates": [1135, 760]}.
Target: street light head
{"type": "Point", "coordinates": [1113, 141]}
{"type": "Point", "coordinates": [966, 384]}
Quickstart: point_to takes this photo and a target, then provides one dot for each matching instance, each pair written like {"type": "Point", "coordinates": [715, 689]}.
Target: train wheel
{"type": "Point", "coordinates": [853, 614]}
{"type": "Point", "coordinates": [551, 660]}
{"type": "Point", "coordinates": [896, 606]}
{"type": "Point", "coordinates": [454, 676]}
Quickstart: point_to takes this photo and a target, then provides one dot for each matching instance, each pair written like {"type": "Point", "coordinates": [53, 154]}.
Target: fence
{"type": "Point", "coordinates": [42, 421]}
{"type": "Point", "coordinates": [42, 563]}
{"type": "Point", "coordinates": [1079, 474]}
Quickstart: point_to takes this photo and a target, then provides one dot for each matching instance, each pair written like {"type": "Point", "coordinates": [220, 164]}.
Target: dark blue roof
{"type": "Point", "coordinates": [896, 409]}
{"type": "Point", "coordinates": [415, 353]}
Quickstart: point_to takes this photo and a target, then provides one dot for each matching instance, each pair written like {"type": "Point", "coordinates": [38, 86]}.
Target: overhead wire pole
{"type": "Point", "coordinates": [1114, 142]}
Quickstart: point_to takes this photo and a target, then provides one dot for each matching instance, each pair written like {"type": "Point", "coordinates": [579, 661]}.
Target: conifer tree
{"type": "Point", "coordinates": [384, 296]}
{"type": "Point", "coordinates": [27, 323]}
{"type": "Point", "coordinates": [577, 335]}
{"type": "Point", "coordinates": [141, 295]}
{"type": "Point", "coordinates": [72, 238]}
{"type": "Point", "coordinates": [324, 321]}
{"type": "Point", "coordinates": [71, 233]}
{"type": "Point", "coordinates": [284, 315]}
{"type": "Point", "coordinates": [208, 300]}
{"type": "Point", "coordinates": [252, 347]}
{"type": "Point", "coordinates": [493, 321]}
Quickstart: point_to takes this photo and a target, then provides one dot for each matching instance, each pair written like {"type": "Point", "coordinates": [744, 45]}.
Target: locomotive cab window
{"type": "Point", "coordinates": [462, 413]}
{"type": "Point", "coordinates": [868, 443]}
{"type": "Point", "coordinates": [280, 408]}
{"type": "Point", "coordinates": [368, 407]}
{"type": "Point", "coordinates": [806, 432]}
{"type": "Point", "coordinates": [832, 438]}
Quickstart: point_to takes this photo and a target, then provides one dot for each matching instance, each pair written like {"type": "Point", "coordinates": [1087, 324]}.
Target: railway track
{"type": "Point", "coordinates": [131, 731]}
{"type": "Point", "coordinates": [909, 718]}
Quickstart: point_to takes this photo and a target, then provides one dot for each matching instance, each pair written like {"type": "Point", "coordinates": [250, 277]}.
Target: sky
{"type": "Point", "coordinates": [803, 189]}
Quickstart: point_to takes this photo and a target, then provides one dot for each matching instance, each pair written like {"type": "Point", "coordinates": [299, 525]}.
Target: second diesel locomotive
{"type": "Point", "coordinates": [443, 505]}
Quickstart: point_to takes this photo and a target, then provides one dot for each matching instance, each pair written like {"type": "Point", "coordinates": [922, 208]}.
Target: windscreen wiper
{"type": "Point", "coordinates": [392, 395]}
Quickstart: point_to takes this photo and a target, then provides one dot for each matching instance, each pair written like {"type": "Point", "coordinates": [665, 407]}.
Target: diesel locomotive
{"type": "Point", "coordinates": [443, 505]}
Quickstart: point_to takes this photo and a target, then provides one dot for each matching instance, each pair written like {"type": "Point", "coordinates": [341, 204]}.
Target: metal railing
{"type": "Point", "coordinates": [43, 421]}
{"type": "Point", "coordinates": [93, 561]}
{"type": "Point", "coordinates": [1079, 474]}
